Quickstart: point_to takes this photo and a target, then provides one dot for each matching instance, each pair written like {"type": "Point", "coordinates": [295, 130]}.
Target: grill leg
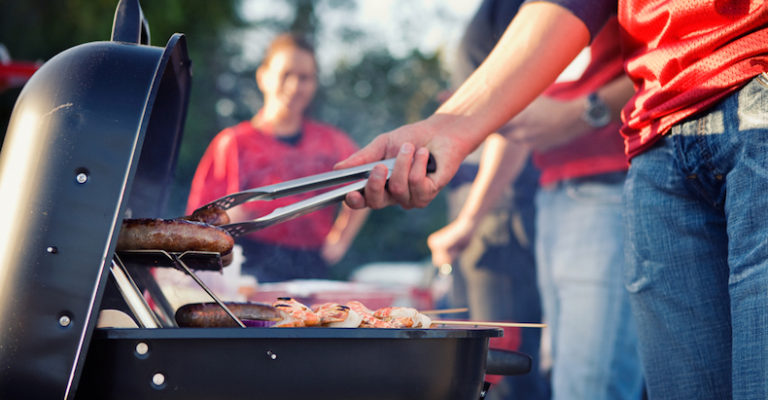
{"type": "Point", "coordinates": [133, 298]}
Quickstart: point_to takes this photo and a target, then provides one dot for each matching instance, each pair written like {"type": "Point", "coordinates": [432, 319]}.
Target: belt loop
{"type": "Point", "coordinates": [763, 79]}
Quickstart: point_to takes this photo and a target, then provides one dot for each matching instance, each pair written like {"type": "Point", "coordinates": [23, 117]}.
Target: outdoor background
{"type": "Point", "coordinates": [382, 64]}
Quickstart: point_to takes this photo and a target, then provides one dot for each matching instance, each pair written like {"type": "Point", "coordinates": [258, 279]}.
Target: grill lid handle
{"type": "Point", "coordinates": [507, 362]}
{"type": "Point", "coordinates": [129, 25]}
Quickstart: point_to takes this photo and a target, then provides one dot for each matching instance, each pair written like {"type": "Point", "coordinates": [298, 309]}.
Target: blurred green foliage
{"type": "Point", "coordinates": [374, 94]}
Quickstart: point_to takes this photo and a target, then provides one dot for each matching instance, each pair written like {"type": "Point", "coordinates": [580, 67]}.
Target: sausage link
{"type": "Point", "coordinates": [175, 235]}
{"type": "Point", "coordinates": [205, 315]}
{"type": "Point", "coordinates": [211, 216]}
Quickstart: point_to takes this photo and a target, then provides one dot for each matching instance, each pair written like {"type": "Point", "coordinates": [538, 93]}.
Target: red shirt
{"type": "Point", "coordinates": [598, 152]}
{"type": "Point", "coordinates": [684, 56]}
{"type": "Point", "coordinates": [243, 157]}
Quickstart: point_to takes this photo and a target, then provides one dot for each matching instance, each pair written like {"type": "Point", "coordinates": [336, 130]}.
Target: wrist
{"type": "Point", "coordinates": [456, 129]}
{"type": "Point", "coordinates": [596, 113]}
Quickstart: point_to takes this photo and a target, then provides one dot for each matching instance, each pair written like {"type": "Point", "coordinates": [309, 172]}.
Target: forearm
{"type": "Point", "coordinates": [346, 226]}
{"type": "Point", "coordinates": [500, 164]}
{"type": "Point", "coordinates": [547, 123]}
{"type": "Point", "coordinates": [616, 94]}
{"type": "Point", "coordinates": [539, 43]}
{"type": "Point", "coordinates": [514, 74]}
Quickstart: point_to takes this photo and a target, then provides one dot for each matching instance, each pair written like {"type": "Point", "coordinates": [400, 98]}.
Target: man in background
{"type": "Point", "coordinates": [281, 143]}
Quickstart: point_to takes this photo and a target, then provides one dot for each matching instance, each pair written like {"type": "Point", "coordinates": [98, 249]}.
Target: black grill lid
{"type": "Point", "coordinates": [93, 137]}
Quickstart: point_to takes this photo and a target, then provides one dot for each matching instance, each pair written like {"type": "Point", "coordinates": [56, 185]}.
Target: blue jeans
{"type": "Point", "coordinates": [697, 252]}
{"type": "Point", "coordinates": [579, 256]}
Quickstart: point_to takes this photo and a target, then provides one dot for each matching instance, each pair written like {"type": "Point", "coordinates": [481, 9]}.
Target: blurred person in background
{"type": "Point", "coordinates": [281, 143]}
{"type": "Point", "coordinates": [694, 195]}
{"type": "Point", "coordinates": [493, 272]}
{"type": "Point", "coordinates": [579, 240]}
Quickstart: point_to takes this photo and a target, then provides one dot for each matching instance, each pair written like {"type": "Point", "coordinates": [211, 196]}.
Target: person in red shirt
{"type": "Point", "coordinates": [278, 144]}
{"type": "Point", "coordinates": [694, 198]}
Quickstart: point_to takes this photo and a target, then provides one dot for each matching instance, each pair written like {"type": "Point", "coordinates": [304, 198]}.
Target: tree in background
{"type": "Point", "coordinates": [375, 93]}
{"type": "Point", "coordinates": [40, 29]}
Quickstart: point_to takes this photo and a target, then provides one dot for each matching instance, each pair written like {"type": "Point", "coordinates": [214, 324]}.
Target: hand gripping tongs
{"type": "Point", "coordinates": [301, 185]}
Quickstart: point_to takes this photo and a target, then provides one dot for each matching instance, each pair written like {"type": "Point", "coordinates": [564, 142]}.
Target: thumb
{"type": "Point", "coordinates": [374, 151]}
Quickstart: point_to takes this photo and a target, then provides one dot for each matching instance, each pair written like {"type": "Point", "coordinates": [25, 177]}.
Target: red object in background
{"type": "Point", "coordinates": [16, 73]}
{"type": "Point", "coordinates": [374, 297]}
{"type": "Point", "coordinates": [510, 341]}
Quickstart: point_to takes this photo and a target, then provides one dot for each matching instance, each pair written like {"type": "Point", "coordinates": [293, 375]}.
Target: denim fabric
{"type": "Point", "coordinates": [697, 253]}
{"type": "Point", "coordinates": [579, 255]}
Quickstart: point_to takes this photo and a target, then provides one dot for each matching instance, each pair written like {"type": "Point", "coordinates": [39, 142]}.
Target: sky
{"type": "Point", "coordinates": [399, 25]}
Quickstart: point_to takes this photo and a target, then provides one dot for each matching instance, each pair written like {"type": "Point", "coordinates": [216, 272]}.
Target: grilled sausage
{"type": "Point", "coordinates": [174, 235]}
{"type": "Point", "coordinates": [204, 315]}
{"type": "Point", "coordinates": [211, 216]}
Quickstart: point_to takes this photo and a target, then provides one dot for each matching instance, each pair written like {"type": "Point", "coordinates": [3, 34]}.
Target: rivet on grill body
{"type": "Point", "coordinates": [158, 380]}
{"type": "Point", "coordinates": [65, 320]}
{"type": "Point", "coordinates": [81, 177]}
{"type": "Point", "coordinates": [52, 249]}
{"type": "Point", "coordinates": [142, 348]}
{"type": "Point", "coordinates": [271, 355]}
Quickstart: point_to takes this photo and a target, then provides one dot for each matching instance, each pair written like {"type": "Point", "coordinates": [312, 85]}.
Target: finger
{"type": "Point", "coordinates": [398, 181]}
{"type": "Point", "coordinates": [422, 188]}
{"type": "Point", "coordinates": [374, 151]}
{"type": "Point", "coordinates": [434, 245]}
{"type": "Point", "coordinates": [375, 191]}
{"type": "Point", "coordinates": [439, 255]}
{"type": "Point", "coordinates": [440, 258]}
{"type": "Point", "coordinates": [355, 200]}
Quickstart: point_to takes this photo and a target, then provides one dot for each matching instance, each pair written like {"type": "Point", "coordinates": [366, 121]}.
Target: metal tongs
{"type": "Point", "coordinates": [359, 174]}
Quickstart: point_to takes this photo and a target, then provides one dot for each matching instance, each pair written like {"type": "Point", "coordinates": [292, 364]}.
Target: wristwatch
{"type": "Point", "coordinates": [596, 114]}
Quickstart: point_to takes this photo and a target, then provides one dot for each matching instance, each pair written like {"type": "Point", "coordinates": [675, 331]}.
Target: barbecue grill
{"type": "Point", "coordinates": [92, 140]}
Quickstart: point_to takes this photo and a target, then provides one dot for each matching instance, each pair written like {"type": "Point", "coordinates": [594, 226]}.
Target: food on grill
{"type": "Point", "coordinates": [336, 315]}
{"type": "Point", "coordinates": [294, 314]}
{"type": "Point", "coordinates": [175, 235]}
{"type": "Point", "coordinates": [368, 319]}
{"type": "Point", "coordinates": [399, 316]}
{"type": "Point", "coordinates": [403, 317]}
{"type": "Point", "coordinates": [330, 312]}
{"type": "Point", "coordinates": [287, 312]}
{"type": "Point", "coordinates": [212, 216]}
{"type": "Point", "coordinates": [204, 315]}
{"type": "Point", "coordinates": [422, 321]}
{"type": "Point", "coordinates": [354, 314]}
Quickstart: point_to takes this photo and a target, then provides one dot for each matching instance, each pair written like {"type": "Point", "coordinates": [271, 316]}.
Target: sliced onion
{"type": "Point", "coordinates": [257, 323]}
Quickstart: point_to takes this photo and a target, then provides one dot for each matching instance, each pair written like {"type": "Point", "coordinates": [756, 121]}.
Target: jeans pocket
{"type": "Point", "coordinates": [753, 104]}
